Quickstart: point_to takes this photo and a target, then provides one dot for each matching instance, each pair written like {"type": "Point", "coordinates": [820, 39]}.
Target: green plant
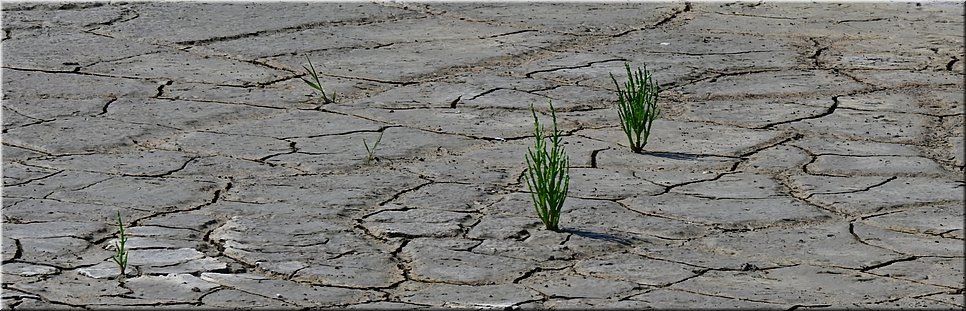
{"type": "Point", "coordinates": [317, 85]}
{"type": "Point", "coordinates": [372, 151]}
{"type": "Point", "coordinates": [119, 246]}
{"type": "Point", "coordinates": [548, 173]}
{"type": "Point", "coordinates": [637, 106]}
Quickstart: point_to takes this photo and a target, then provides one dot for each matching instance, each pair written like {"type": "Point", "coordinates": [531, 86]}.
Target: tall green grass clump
{"type": "Point", "coordinates": [637, 106]}
{"type": "Point", "coordinates": [548, 172]}
{"type": "Point", "coordinates": [120, 256]}
{"type": "Point", "coordinates": [316, 83]}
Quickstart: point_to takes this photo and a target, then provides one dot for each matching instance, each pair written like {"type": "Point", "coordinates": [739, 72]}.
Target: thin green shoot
{"type": "Point", "coordinates": [637, 106]}
{"type": "Point", "coordinates": [548, 172]}
{"type": "Point", "coordinates": [120, 247]}
{"type": "Point", "coordinates": [372, 151]}
{"type": "Point", "coordinates": [316, 84]}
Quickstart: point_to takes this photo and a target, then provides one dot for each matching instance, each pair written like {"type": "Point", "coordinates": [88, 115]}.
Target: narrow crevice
{"type": "Point", "coordinates": [107, 105]}
{"type": "Point", "coordinates": [291, 146]}
{"type": "Point", "coordinates": [717, 75]}
{"type": "Point", "coordinates": [671, 187]}
{"type": "Point", "coordinates": [161, 88]}
{"type": "Point", "coordinates": [758, 16]}
{"type": "Point", "coordinates": [687, 8]}
{"type": "Point", "coordinates": [85, 66]}
{"type": "Point", "coordinates": [506, 34]}
{"type": "Point", "coordinates": [951, 63]}
{"type": "Point", "coordinates": [121, 18]}
{"type": "Point", "coordinates": [860, 20]}
{"type": "Point", "coordinates": [400, 83]}
{"type": "Point", "coordinates": [907, 112]}
{"type": "Point", "coordinates": [870, 187]}
{"type": "Point", "coordinates": [829, 111]}
{"type": "Point", "coordinates": [883, 264]}
{"type": "Point", "coordinates": [214, 199]}
{"type": "Point", "coordinates": [530, 74]}
{"type": "Point", "coordinates": [399, 194]}
{"type": "Point", "coordinates": [164, 174]}
{"type": "Point", "coordinates": [312, 25]}
{"type": "Point", "coordinates": [200, 100]}
{"type": "Point", "coordinates": [18, 253]}
{"type": "Point", "coordinates": [33, 179]}
{"type": "Point", "coordinates": [486, 92]}
{"type": "Point", "coordinates": [796, 307]}
{"type": "Point", "coordinates": [593, 157]}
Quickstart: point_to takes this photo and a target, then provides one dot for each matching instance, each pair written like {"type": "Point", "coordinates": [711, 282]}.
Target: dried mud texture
{"type": "Point", "coordinates": [808, 155]}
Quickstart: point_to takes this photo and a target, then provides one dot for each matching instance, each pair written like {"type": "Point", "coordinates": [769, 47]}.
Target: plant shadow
{"type": "Point", "coordinates": [676, 156]}
{"type": "Point", "coordinates": [599, 236]}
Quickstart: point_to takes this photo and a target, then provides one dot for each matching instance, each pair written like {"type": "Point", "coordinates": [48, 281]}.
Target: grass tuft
{"type": "Point", "coordinates": [548, 172]}
{"type": "Point", "coordinates": [119, 246]}
{"type": "Point", "coordinates": [637, 106]}
{"type": "Point", "coordinates": [372, 151]}
{"type": "Point", "coordinates": [316, 84]}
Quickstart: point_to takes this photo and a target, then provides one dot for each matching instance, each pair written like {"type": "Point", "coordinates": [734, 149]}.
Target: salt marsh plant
{"type": "Point", "coordinates": [548, 172]}
{"type": "Point", "coordinates": [637, 106]}
{"type": "Point", "coordinates": [316, 83]}
{"type": "Point", "coordinates": [372, 151]}
{"type": "Point", "coordinates": [120, 256]}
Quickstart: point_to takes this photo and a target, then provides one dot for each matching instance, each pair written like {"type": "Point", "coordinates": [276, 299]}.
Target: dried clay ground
{"type": "Point", "coordinates": [809, 155]}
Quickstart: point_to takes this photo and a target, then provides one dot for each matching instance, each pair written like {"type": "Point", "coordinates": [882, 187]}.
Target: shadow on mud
{"type": "Point", "coordinates": [599, 236]}
{"type": "Point", "coordinates": [676, 156]}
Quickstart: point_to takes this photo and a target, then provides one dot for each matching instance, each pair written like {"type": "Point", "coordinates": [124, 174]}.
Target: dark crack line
{"type": "Point", "coordinates": [671, 187]}
{"type": "Point", "coordinates": [379, 130]}
{"type": "Point", "coordinates": [593, 157]}
{"type": "Point", "coordinates": [487, 92]}
{"type": "Point", "coordinates": [800, 306]}
{"type": "Point", "coordinates": [161, 88]}
{"type": "Point", "coordinates": [131, 15]}
{"type": "Point", "coordinates": [84, 66]}
{"type": "Point", "coordinates": [18, 253]}
{"type": "Point", "coordinates": [530, 74]}
{"type": "Point", "coordinates": [107, 104]}
{"type": "Point", "coordinates": [709, 53]}
{"type": "Point", "coordinates": [399, 194]}
{"type": "Point", "coordinates": [829, 111]}
{"type": "Point", "coordinates": [291, 146]}
{"type": "Point", "coordinates": [951, 63]}
{"type": "Point", "coordinates": [400, 83]}
{"type": "Point", "coordinates": [354, 22]}
{"type": "Point", "coordinates": [860, 20]}
{"type": "Point", "coordinates": [507, 34]}
{"type": "Point", "coordinates": [200, 100]}
{"type": "Point", "coordinates": [164, 174]}
{"type": "Point", "coordinates": [687, 8]}
{"type": "Point", "coordinates": [870, 187]}
{"type": "Point", "coordinates": [816, 63]}
{"type": "Point", "coordinates": [758, 16]}
{"type": "Point", "coordinates": [887, 263]}
{"type": "Point", "coordinates": [717, 75]}
{"type": "Point", "coordinates": [217, 195]}
{"type": "Point", "coordinates": [33, 179]}
{"type": "Point", "coordinates": [906, 112]}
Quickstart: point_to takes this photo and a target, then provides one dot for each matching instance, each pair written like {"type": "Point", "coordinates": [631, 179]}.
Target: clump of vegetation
{"type": "Point", "coordinates": [548, 172]}
{"type": "Point", "coordinates": [372, 151]}
{"type": "Point", "coordinates": [120, 257]}
{"type": "Point", "coordinates": [316, 84]}
{"type": "Point", "coordinates": [637, 106]}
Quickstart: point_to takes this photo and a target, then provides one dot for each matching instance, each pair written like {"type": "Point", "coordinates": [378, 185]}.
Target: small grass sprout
{"type": "Point", "coordinates": [372, 151]}
{"type": "Point", "coordinates": [120, 257]}
{"type": "Point", "coordinates": [316, 84]}
{"type": "Point", "coordinates": [548, 172]}
{"type": "Point", "coordinates": [637, 106]}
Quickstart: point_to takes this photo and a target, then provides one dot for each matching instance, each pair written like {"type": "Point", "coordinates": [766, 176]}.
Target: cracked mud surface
{"type": "Point", "coordinates": [810, 155]}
